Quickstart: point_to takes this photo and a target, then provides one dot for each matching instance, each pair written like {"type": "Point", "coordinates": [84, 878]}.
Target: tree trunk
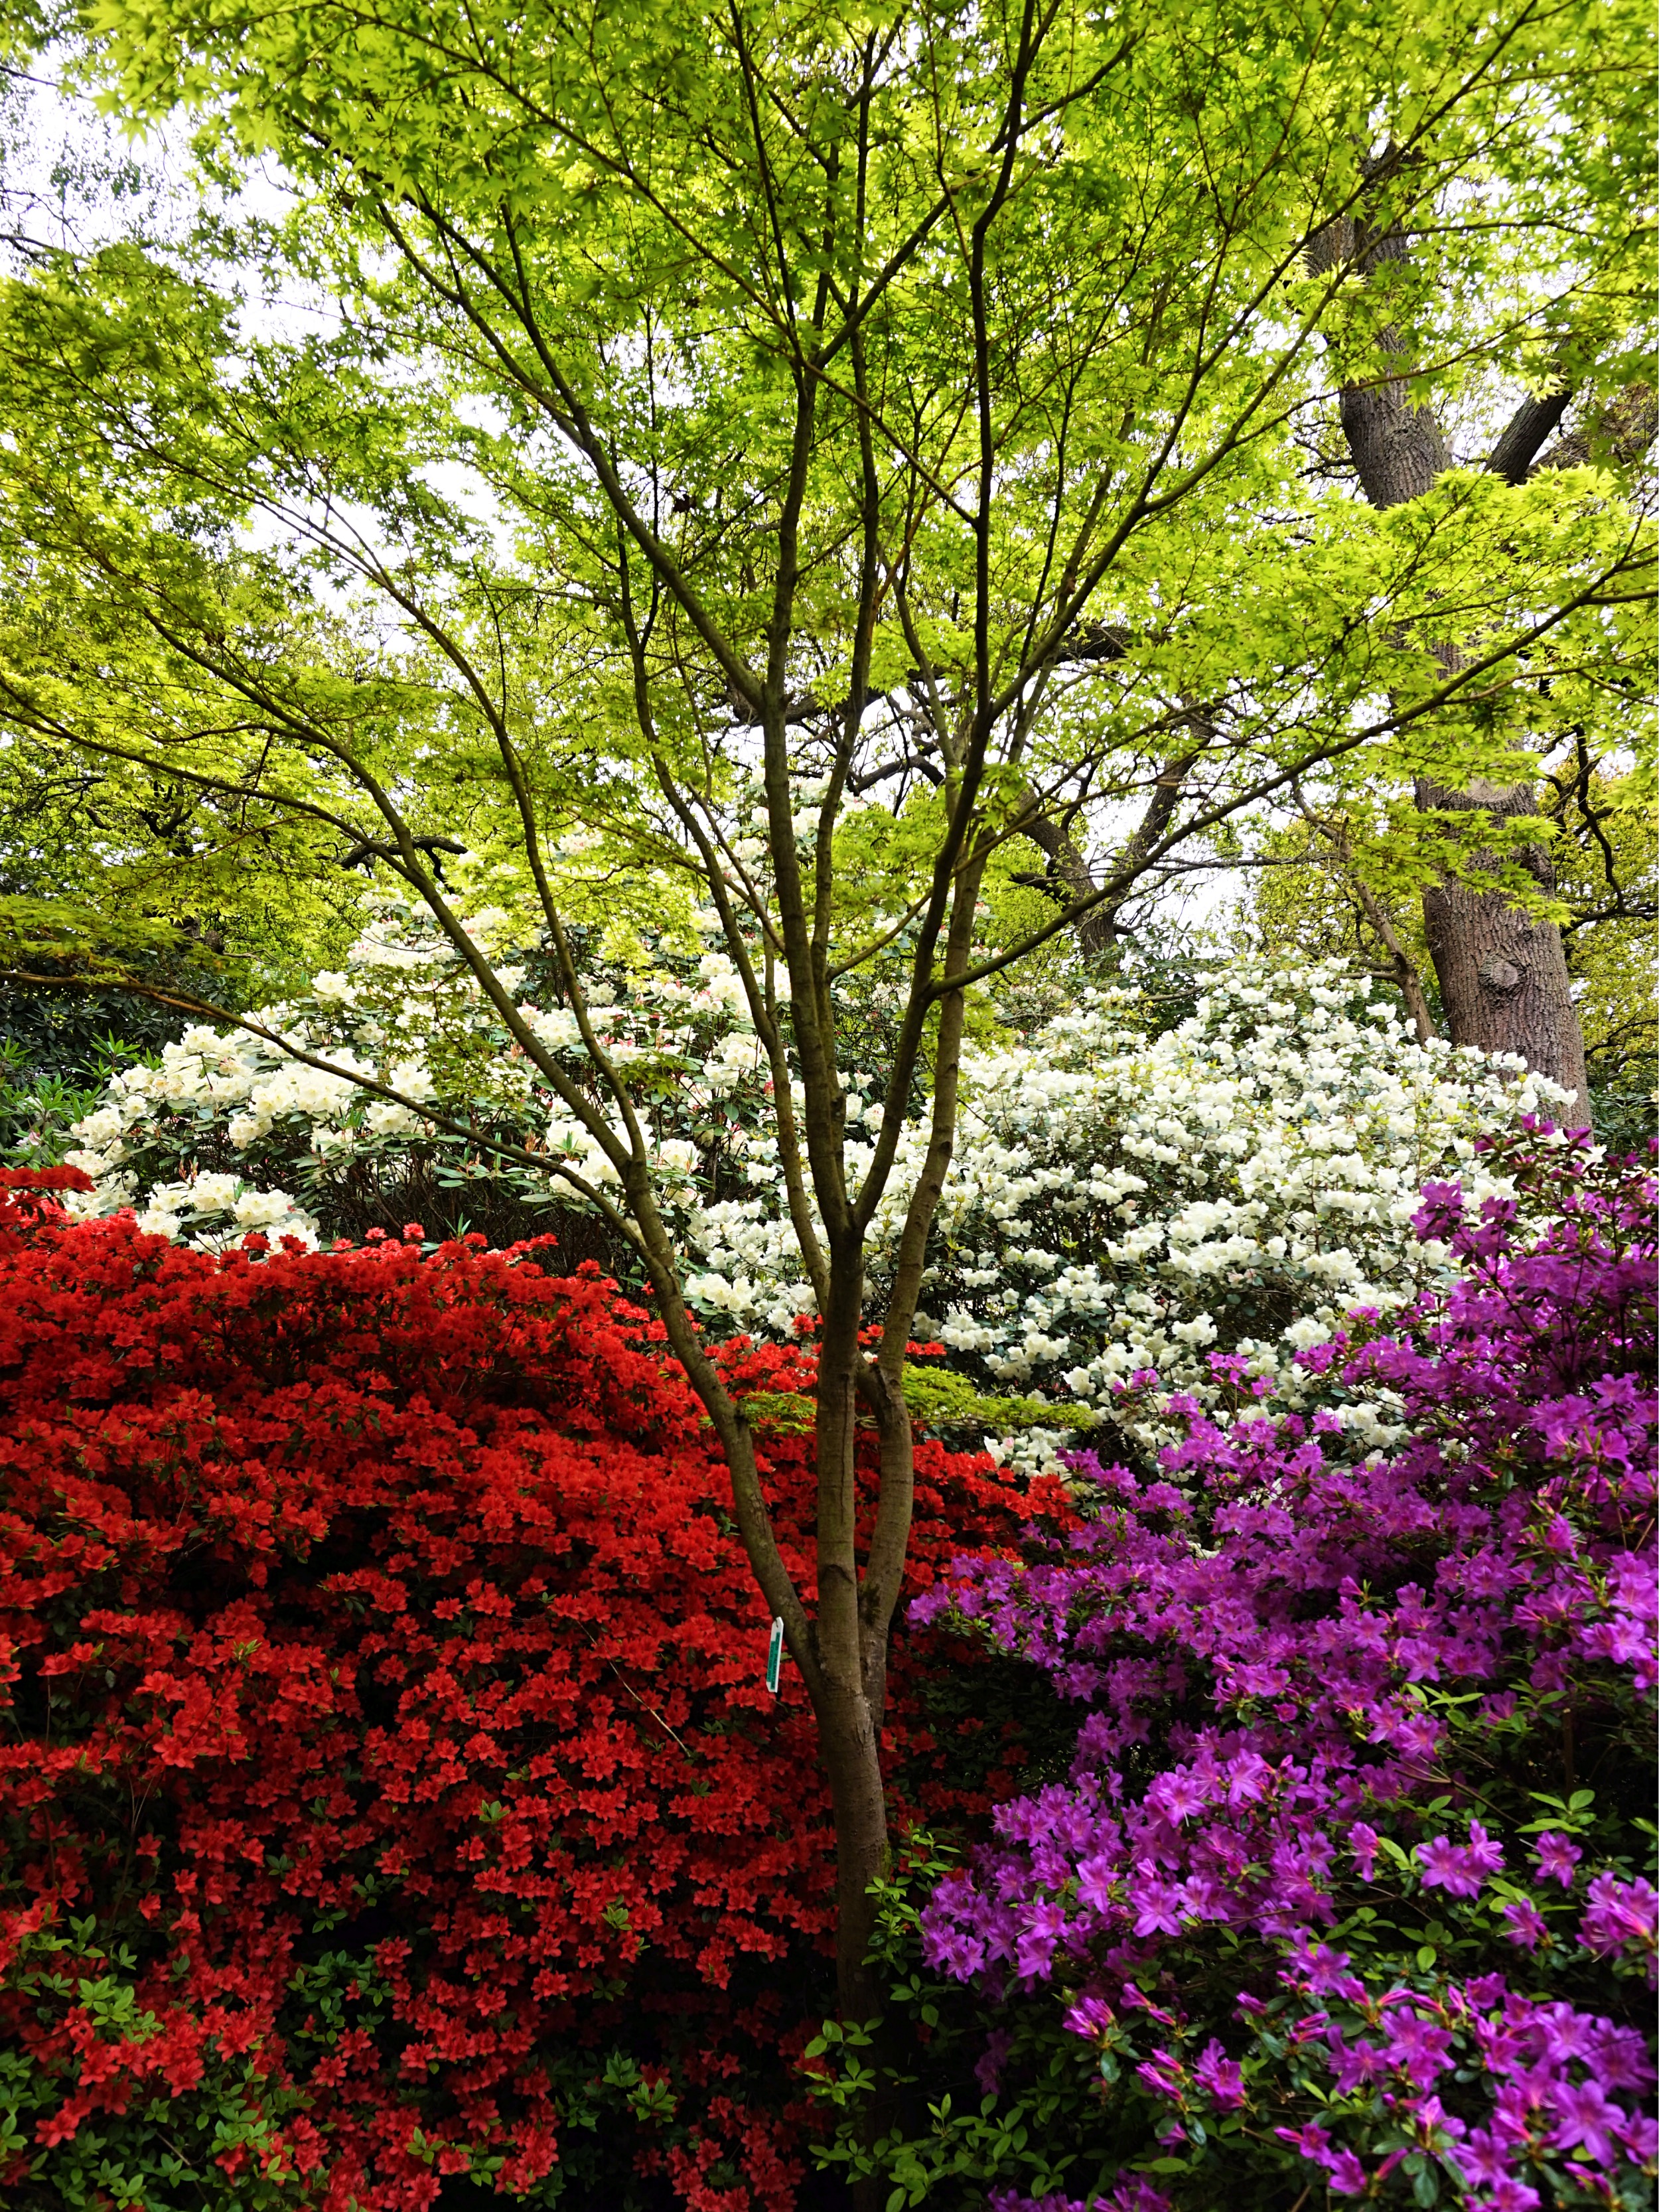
{"type": "Point", "coordinates": [845, 1696]}
{"type": "Point", "coordinates": [850, 1749]}
{"type": "Point", "coordinates": [1072, 878]}
{"type": "Point", "coordinates": [1502, 975]}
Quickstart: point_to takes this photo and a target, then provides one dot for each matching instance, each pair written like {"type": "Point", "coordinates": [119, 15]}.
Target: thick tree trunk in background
{"type": "Point", "coordinates": [1622, 431]}
{"type": "Point", "coordinates": [1502, 975]}
{"type": "Point", "coordinates": [1072, 879]}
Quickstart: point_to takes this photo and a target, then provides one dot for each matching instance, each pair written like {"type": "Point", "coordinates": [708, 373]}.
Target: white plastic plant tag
{"type": "Point", "coordinates": [774, 1656]}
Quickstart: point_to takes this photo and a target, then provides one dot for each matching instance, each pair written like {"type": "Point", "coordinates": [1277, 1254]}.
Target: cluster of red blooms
{"type": "Point", "coordinates": [383, 1671]}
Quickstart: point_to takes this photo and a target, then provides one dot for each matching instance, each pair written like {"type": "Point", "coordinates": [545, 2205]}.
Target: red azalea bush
{"type": "Point", "coordinates": [392, 1791]}
{"type": "Point", "coordinates": [28, 1196]}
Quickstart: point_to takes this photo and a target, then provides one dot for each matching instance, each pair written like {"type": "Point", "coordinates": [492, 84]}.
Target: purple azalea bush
{"type": "Point", "coordinates": [1346, 1895]}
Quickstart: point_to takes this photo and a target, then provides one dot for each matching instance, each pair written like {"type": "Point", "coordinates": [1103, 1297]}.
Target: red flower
{"type": "Point", "coordinates": [385, 1673]}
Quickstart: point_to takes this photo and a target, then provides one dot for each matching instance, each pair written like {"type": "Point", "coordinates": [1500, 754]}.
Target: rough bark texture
{"type": "Point", "coordinates": [1502, 975]}
{"type": "Point", "coordinates": [1513, 456]}
{"type": "Point", "coordinates": [1072, 878]}
{"type": "Point", "coordinates": [848, 1728]}
{"type": "Point", "coordinates": [1621, 432]}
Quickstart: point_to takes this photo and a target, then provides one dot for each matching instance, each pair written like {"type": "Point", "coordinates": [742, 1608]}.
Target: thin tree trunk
{"type": "Point", "coordinates": [849, 1727]}
{"type": "Point", "coordinates": [1503, 974]}
{"type": "Point", "coordinates": [1404, 969]}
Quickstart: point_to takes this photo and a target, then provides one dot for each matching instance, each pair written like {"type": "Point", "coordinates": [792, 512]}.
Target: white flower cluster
{"type": "Point", "coordinates": [1118, 1202]}
{"type": "Point", "coordinates": [238, 1096]}
{"type": "Point", "coordinates": [191, 1140]}
{"type": "Point", "coordinates": [207, 1076]}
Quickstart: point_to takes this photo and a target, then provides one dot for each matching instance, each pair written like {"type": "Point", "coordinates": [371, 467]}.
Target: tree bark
{"type": "Point", "coordinates": [1072, 878]}
{"type": "Point", "coordinates": [1503, 974]}
{"type": "Point", "coordinates": [849, 1727]}
{"type": "Point", "coordinates": [1620, 431]}
{"type": "Point", "coordinates": [1513, 456]}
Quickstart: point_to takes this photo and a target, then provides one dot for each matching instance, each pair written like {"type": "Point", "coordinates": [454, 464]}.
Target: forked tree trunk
{"type": "Point", "coordinates": [1503, 974]}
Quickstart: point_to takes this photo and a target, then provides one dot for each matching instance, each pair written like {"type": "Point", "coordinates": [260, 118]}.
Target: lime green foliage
{"type": "Point", "coordinates": [787, 1412]}
{"type": "Point", "coordinates": [591, 267]}
{"type": "Point", "coordinates": [940, 1399]}
{"type": "Point", "coordinates": [784, 459]}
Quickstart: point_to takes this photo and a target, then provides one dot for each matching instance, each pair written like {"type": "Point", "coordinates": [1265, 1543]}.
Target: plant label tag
{"type": "Point", "coordinates": [774, 1656]}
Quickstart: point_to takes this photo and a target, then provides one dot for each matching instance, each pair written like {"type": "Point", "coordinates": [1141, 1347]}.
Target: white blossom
{"type": "Point", "coordinates": [1117, 1202]}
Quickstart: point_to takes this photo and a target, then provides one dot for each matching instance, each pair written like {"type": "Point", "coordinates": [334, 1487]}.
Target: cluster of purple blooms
{"type": "Point", "coordinates": [1340, 1712]}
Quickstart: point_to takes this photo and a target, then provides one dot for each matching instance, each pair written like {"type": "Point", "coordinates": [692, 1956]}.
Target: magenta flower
{"type": "Point", "coordinates": [1035, 1951]}
{"type": "Point", "coordinates": [1420, 2050]}
{"type": "Point", "coordinates": [1090, 2017]}
{"type": "Point", "coordinates": [1322, 1973]}
{"type": "Point", "coordinates": [987, 2070]}
{"type": "Point", "coordinates": [1353, 2066]}
{"type": "Point", "coordinates": [1155, 1904]}
{"type": "Point", "coordinates": [1220, 2076]}
{"type": "Point", "coordinates": [1620, 1912]}
{"type": "Point", "coordinates": [1556, 1858]}
{"type": "Point", "coordinates": [1312, 2141]}
{"type": "Point", "coordinates": [1508, 2195]}
{"type": "Point", "coordinates": [1460, 1869]}
{"type": "Point", "coordinates": [1526, 1924]}
{"type": "Point", "coordinates": [1178, 1795]}
{"type": "Point", "coordinates": [1348, 2176]}
{"type": "Point", "coordinates": [1094, 1877]}
{"type": "Point", "coordinates": [1247, 1632]}
{"type": "Point", "coordinates": [1586, 2118]}
{"type": "Point", "coordinates": [1138, 1999]}
{"type": "Point", "coordinates": [1165, 2073]}
{"type": "Point", "coordinates": [1481, 2159]}
{"type": "Point", "coordinates": [1362, 1841]}
{"type": "Point", "coordinates": [1134, 2195]}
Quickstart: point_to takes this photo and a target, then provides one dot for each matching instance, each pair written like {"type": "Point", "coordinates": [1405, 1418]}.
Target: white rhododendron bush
{"type": "Point", "coordinates": [225, 1132]}
{"type": "Point", "coordinates": [1121, 1202]}
{"type": "Point", "coordinates": [1121, 1199]}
